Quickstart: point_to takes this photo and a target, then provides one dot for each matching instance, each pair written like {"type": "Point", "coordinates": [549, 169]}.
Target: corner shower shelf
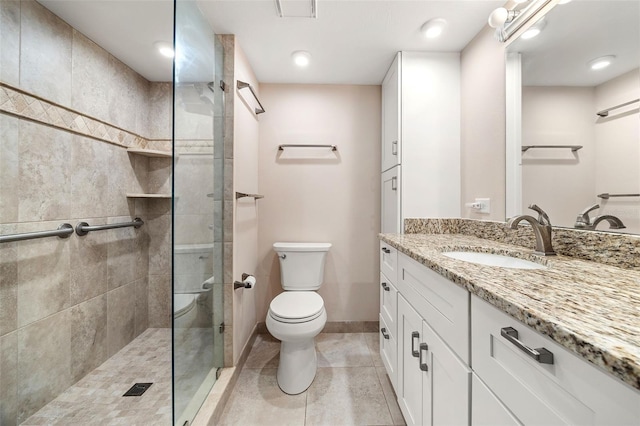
{"type": "Point", "coordinates": [158, 196]}
{"type": "Point", "coordinates": [150, 152]}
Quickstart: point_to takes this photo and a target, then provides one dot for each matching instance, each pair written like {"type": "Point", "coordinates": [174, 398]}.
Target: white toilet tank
{"type": "Point", "coordinates": [301, 264]}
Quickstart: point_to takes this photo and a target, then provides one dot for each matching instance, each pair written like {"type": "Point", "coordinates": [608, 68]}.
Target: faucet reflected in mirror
{"type": "Point", "coordinates": [584, 222]}
{"type": "Point", "coordinates": [541, 230]}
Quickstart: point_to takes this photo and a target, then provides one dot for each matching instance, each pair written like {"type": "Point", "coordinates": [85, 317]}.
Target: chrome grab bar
{"type": "Point", "coordinates": [542, 355]}
{"type": "Point", "coordinates": [63, 231]}
{"type": "Point", "coordinates": [83, 228]}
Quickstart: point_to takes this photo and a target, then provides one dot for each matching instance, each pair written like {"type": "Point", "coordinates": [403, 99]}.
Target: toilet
{"type": "Point", "coordinates": [297, 315]}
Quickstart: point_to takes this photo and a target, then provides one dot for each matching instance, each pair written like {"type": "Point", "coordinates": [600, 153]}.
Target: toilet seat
{"type": "Point", "coordinates": [296, 306]}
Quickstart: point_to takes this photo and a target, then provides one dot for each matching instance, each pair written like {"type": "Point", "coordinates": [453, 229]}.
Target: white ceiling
{"type": "Point", "coordinates": [351, 41]}
{"type": "Point", "coordinates": [577, 33]}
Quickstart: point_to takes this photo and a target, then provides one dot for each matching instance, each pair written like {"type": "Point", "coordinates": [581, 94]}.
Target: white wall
{"type": "Point", "coordinates": [483, 124]}
{"type": "Point", "coordinates": [317, 195]}
{"type": "Point", "coordinates": [618, 148]}
{"type": "Point", "coordinates": [245, 223]}
{"type": "Point", "coordinates": [558, 180]}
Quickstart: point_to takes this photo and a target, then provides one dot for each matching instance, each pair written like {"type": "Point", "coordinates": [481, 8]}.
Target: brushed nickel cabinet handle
{"type": "Point", "coordinates": [394, 147]}
{"type": "Point", "coordinates": [384, 333]}
{"type": "Point", "coordinates": [415, 335]}
{"type": "Point", "coordinates": [542, 355]}
{"type": "Point", "coordinates": [423, 348]}
{"type": "Point", "coordinates": [385, 287]}
{"type": "Point", "coordinates": [386, 250]}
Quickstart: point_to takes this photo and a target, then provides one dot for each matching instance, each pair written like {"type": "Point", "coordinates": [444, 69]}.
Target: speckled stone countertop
{"type": "Point", "coordinates": [589, 308]}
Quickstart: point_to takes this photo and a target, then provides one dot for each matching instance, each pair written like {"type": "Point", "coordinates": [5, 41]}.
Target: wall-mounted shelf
{"type": "Point", "coordinates": [605, 112]}
{"type": "Point", "coordinates": [573, 148]}
{"type": "Point", "coordinates": [149, 152]}
{"type": "Point", "coordinates": [245, 195]}
{"type": "Point", "coordinates": [158, 196]}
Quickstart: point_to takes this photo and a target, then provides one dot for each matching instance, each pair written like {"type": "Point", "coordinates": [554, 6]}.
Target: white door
{"type": "Point", "coordinates": [390, 197]}
{"type": "Point", "coordinates": [391, 117]}
{"type": "Point", "coordinates": [410, 377]}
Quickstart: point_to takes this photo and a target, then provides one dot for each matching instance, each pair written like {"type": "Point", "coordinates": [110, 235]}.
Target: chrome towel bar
{"type": "Point", "coordinates": [573, 148]}
{"type": "Point", "coordinates": [83, 228]}
{"type": "Point", "coordinates": [606, 196]}
{"type": "Point", "coordinates": [245, 85]}
{"type": "Point", "coordinates": [605, 112]}
{"type": "Point", "coordinates": [245, 195]}
{"type": "Point", "coordinates": [63, 231]}
{"type": "Point", "coordinates": [282, 147]}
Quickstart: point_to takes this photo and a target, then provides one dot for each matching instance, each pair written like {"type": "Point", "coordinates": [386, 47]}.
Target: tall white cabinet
{"type": "Point", "coordinates": [420, 138]}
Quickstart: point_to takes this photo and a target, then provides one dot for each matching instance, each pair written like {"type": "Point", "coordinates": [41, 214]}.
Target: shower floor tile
{"type": "Point", "coordinates": [97, 398]}
{"type": "Point", "coordinates": [350, 387]}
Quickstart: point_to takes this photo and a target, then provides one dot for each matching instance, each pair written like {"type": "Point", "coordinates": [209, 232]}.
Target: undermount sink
{"type": "Point", "coordinates": [491, 259]}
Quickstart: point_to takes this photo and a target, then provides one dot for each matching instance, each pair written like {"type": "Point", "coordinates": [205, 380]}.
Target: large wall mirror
{"type": "Point", "coordinates": [573, 133]}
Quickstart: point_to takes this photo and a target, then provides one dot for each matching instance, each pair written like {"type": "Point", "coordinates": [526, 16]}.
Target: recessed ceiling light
{"type": "Point", "coordinates": [165, 48]}
{"type": "Point", "coordinates": [564, 1]}
{"type": "Point", "coordinates": [433, 27]}
{"type": "Point", "coordinates": [534, 30]}
{"type": "Point", "coordinates": [301, 58]}
{"type": "Point", "coordinates": [601, 62]}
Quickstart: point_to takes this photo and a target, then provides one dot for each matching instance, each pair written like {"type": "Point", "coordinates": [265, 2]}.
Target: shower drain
{"type": "Point", "coordinates": [138, 389]}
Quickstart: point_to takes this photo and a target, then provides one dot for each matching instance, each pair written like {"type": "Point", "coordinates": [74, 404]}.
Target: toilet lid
{"type": "Point", "coordinates": [296, 305]}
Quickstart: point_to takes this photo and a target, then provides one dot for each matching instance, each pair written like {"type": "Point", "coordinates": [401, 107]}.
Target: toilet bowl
{"type": "Point", "coordinates": [297, 315]}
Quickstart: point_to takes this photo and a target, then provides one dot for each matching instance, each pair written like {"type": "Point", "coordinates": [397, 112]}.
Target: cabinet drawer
{"type": "Point", "coordinates": [388, 304]}
{"type": "Point", "coordinates": [443, 305]}
{"type": "Point", "coordinates": [389, 262]}
{"type": "Point", "coordinates": [389, 352]}
{"type": "Point", "coordinates": [568, 391]}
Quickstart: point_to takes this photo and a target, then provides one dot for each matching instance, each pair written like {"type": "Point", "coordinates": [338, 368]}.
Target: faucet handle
{"type": "Point", "coordinates": [543, 218]}
{"type": "Point", "coordinates": [583, 221]}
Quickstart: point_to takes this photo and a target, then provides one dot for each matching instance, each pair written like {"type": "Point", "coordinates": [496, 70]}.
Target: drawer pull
{"type": "Point", "coordinates": [542, 355]}
{"type": "Point", "coordinates": [385, 287]}
{"type": "Point", "coordinates": [386, 250]}
{"type": "Point", "coordinates": [414, 335]}
{"type": "Point", "coordinates": [394, 147]}
{"type": "Point", "coordinates": [384, 333]}
{"type": "Point", "coordinates": [423, 365]}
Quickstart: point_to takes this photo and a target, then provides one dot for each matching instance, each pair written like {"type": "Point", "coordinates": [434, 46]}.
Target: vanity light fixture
{"type": "Point", "coordinates": [601, 62]}
{"type": "Point", "coordinates": [164, 48]}
{"type": "Point", "coordinates": [433, 28]}
{"type": "Point", "coordinates": [534, 30]}
{"type": "Point", "coordinates": [301, 58]}
{"type": "Point", "coordinates": [501, 16]}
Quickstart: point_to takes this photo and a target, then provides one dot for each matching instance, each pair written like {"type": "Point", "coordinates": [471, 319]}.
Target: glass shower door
{"type": "Point", "coordinates": [197, 210]}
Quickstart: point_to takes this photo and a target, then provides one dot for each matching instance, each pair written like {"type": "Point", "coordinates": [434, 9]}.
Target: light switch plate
{"type": "Point", "coordinates": [486, 205]}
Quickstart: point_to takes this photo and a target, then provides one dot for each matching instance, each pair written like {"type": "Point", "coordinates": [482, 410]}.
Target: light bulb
{"type": "Point", "coordinates": [301, 58]}
{"type": "Point", "coordinates": [433, 27]}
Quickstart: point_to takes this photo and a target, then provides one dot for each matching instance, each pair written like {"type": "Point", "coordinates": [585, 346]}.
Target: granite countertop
{"type": "Point", "coordinates": [589, 308]}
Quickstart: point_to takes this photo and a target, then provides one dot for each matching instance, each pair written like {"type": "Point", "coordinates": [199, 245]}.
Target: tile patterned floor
{"type": "Point", "coordinates": [97, 398]}
{"type": "Point", "coordinates": [351, 386]}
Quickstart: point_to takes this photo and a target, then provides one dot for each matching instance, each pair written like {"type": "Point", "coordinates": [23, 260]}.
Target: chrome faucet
{"type": "Point", "coordinates": [541, 229]}
{"type": "Point", "coordinates": [584, 222]}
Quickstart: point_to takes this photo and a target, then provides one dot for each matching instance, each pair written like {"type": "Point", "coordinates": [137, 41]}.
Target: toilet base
{"type": "Point", "coordinates": [298, 365]}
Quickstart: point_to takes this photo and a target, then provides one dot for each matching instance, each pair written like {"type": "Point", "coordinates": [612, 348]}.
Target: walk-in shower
{"type": "Point", "coordinates": [111, 189]}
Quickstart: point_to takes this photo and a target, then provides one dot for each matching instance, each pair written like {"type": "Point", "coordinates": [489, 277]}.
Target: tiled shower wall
{"type": "Point", "coordinates": [68, 110]}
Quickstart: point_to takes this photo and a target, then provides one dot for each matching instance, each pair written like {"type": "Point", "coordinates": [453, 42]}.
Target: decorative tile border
{"type": "Point", "coordinates": [619, 250]}
{"type": "Point", "coordinates": [25, 105]}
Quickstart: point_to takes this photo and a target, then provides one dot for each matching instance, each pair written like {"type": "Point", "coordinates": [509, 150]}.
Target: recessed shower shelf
{"type": "Point", "coordinates": [159, 196]}
{"type": "Point", "coordinates": [150, 152]}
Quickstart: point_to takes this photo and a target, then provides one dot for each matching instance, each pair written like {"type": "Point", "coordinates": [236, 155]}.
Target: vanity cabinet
{"type": "Point", "coordinates": [563, 389]}
{"type": "Point", "coordinates": [389, 310]}
{"type": "Point", "coordinates": [420, 138]}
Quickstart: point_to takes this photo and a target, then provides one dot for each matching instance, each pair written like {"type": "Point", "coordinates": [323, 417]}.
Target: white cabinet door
{"type": "Point", "coordinates": [446, 399]}
{"type": "Point", "coordinates": [390, 216]}
{"type": "Point", "coordinates": [391, 116]}
{"type": "Point", "coordinates": [409, 387]}
{"type": "Point", "coordinates": [486, 408]}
